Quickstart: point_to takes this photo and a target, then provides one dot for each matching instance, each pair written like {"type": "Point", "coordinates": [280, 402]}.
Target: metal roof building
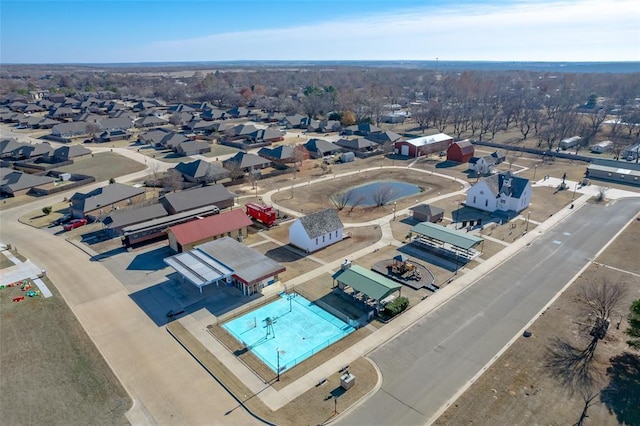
{"type": "Point", "coordinates": [199, 268]}
{"type": "Point", "coordinates": [365, 282]}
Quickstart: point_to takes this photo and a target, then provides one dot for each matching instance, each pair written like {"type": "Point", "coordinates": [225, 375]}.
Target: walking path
{"type": "Point", "coordinates": [276, 399]}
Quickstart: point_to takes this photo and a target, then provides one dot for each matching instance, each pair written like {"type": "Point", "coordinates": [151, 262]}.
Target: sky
{"type": "Point", "coordinates": [94, 31]}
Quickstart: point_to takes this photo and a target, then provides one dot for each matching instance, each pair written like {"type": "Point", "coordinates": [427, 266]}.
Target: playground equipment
{"type": "Point", "coordinates": [404, 268]}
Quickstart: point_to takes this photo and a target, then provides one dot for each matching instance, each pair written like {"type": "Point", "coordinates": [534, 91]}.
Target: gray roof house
{"type": "Point", "coordinates": [279, 154]}
{"type": "Point", "coordinates": [153, 137]}
{"type": "Point", "coordinates": [201, 171]}
{"type": "Point", "coordinates": [103, 200]}
{"type": "Point", "coordinates": [316, 231]}
{"type": "Point", "coordinates": [357, 145]}
{"type": "Point", "coordinates": [318, 148]}
{"type": "Point", "coordinates": [217, 195]}
{"type": "Point", "coordinates": [192, 148]}
{"type": "Point", "coordinates": [14, 183]}
{"type": "Point", "coordinates": [246, 162]}
{"type": "Point", "coordinates": [151, 121]}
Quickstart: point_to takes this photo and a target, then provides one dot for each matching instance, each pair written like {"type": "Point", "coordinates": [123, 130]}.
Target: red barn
{"type": "Point", "coordinates": [460, 152]}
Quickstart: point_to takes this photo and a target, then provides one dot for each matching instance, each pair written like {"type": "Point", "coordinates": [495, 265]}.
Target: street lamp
{"type": "Point", "coordinates": [278, 351]}
{"type": "Point", "coordinates": [535, 169]}
{"type": "Point", "coordinates": [574, 193]}
{"type": "Point", "coordinates": [394, 210]}
{"type": "Point", "coordinates": [526, 229]}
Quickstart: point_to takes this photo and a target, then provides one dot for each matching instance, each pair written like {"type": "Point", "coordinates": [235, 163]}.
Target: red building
{"type": "Point", "coordinates": [424, 145]}
{"type": "Point", "coordinates": [460, 152]}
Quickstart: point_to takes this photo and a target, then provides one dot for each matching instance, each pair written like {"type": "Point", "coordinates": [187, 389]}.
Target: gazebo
{"type": "Point", "coordinates": [368, 286]}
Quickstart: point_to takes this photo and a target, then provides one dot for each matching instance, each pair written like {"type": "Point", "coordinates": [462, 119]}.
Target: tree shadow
{"type": "Point", "coordinates": [574, 367]}
{"type": "Point", "coordinates": [622, 395]}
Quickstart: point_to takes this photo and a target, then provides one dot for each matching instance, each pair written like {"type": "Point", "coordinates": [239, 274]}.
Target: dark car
{"type": "Point", "coordinates": [61, 220]}
{"type": "Point", "coordinates": [75, 223]}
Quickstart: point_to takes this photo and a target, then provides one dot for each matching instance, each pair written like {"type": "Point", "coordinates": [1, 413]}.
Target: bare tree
{"type": "Point", "coordinates": [175, 119]}
{"type": "Point", "coordinates": [92, 129]}
{"type": "Point", "coordinates": [589, 398]}
{"type": "Point", "coordinates": [420, 114]}
{"type": "Point", "coordinates": [357, 201]}
{"type": "Point", "coordinates": [342, 199]}
{"type": "Point", "coordinates": [154, 174]}
{"type": "Point", "coordinates": [173, 180]}
{"type": "Point", "coordinates": [299, 155]}
{"type": "Point", "coordinates": [602, 191]}
{"type": "Point", "coordinates": [602, 299]}
{"type": "Point", "coordinates": [383, 195]}
{"type": "Point", "coordinates": [235, 171]}
{"type": "Point", "coordinates": [252, 178]}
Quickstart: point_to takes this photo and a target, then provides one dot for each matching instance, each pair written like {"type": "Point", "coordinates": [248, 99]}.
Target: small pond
{"type": "Point", "coordinates": [387, 190]}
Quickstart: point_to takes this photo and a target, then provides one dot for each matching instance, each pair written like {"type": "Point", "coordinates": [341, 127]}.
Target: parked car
{"type": "Point", "coordinates": [61, 220]}
{"type": "Point", "coordinates": [75, 223]}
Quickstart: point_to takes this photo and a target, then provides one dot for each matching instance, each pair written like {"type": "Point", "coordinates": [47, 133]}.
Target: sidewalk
{"type": "Point", "coordinates": [277, 399]}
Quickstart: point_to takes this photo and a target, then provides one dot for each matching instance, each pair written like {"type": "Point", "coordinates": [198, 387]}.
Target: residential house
{"type": "Point", "coordinates": [154, 137]}
{"type": "Point", "coordinates": [384, 137]}
{"type": "Point", "coordinates": [150, 121]}
{"type": "Point", "coordinates": [66, 153]}
{"type": "Point", "coordinates": [502, 192]}
{"type": "Point", "coordinates": [281, 154]}
{"type": "Point", "coordinates": [316, 231]}
{"type": "Point", "coordinates": [319, 148]}
{"type": "Point", "coordinates": [182, 201]}
{"type": "Point", "coordinates": [238, 112]}
{"type": "Point", "coordinates": [295, 121]}
{"type": "Point", "coordinates": [192, 148]}
{"type": "Point", "coordinates": [246, 162]}
{"type": "Point", "coordinates": [186, 236]}
{"type": "Point", "coordinates": [14, 183]}
{"type": "Point", "coordinates": [201, 171]}
{"type": "Point", "coordinates": [362, 129]}
{"type": "Point", "coordinates": [172, 140]}
{"type": "Point", "coordinates": [329, 126]}
{"type": "Point", "coordinates": [113, 135]}
{"type": "Point", "coordinates": [102, 201]}
{"type": "Point", "coordinates": [360, 145]}
{"type": "Point", "coordinates": [482, 165]}
{"type": "Point", "coordinates": [460, 152]}
{"type": "Point", "coordinates": [213, 114]}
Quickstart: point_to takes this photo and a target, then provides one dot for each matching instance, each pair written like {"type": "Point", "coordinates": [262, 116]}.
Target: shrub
{"type": "Point", "coordinates": [46, 210]}
{"type": "Point", "coordinates": [394, 308]}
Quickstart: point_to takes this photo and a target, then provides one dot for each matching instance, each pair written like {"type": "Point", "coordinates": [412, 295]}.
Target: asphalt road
{"type": "Point", "coordinates": [426, 365]}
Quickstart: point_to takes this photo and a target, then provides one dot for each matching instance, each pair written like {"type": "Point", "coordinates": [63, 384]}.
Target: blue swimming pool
{"type": "Point", "coordinates": [287, 331]}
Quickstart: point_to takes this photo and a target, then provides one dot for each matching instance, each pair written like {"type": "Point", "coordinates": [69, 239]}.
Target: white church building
{"type": "Point", "coordinates": [500, 192]}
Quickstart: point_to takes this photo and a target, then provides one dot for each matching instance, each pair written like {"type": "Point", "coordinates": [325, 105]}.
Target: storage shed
{"type": "Point", "coordinates": [427, 213]}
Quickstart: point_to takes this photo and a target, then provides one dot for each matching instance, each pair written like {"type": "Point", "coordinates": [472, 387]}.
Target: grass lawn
{"type": "Point", "coordinates": [5, 262]}
{"type": "Point", "coordinates": [51, 371]}
{"type": "Point", "coordinates": [103, 166]}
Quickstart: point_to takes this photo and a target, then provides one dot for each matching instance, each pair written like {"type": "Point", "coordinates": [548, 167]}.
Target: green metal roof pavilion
{"type": "Point", "coordinates": [446, 235]}
{"type": "Point", "coordinates": [371, 283]}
